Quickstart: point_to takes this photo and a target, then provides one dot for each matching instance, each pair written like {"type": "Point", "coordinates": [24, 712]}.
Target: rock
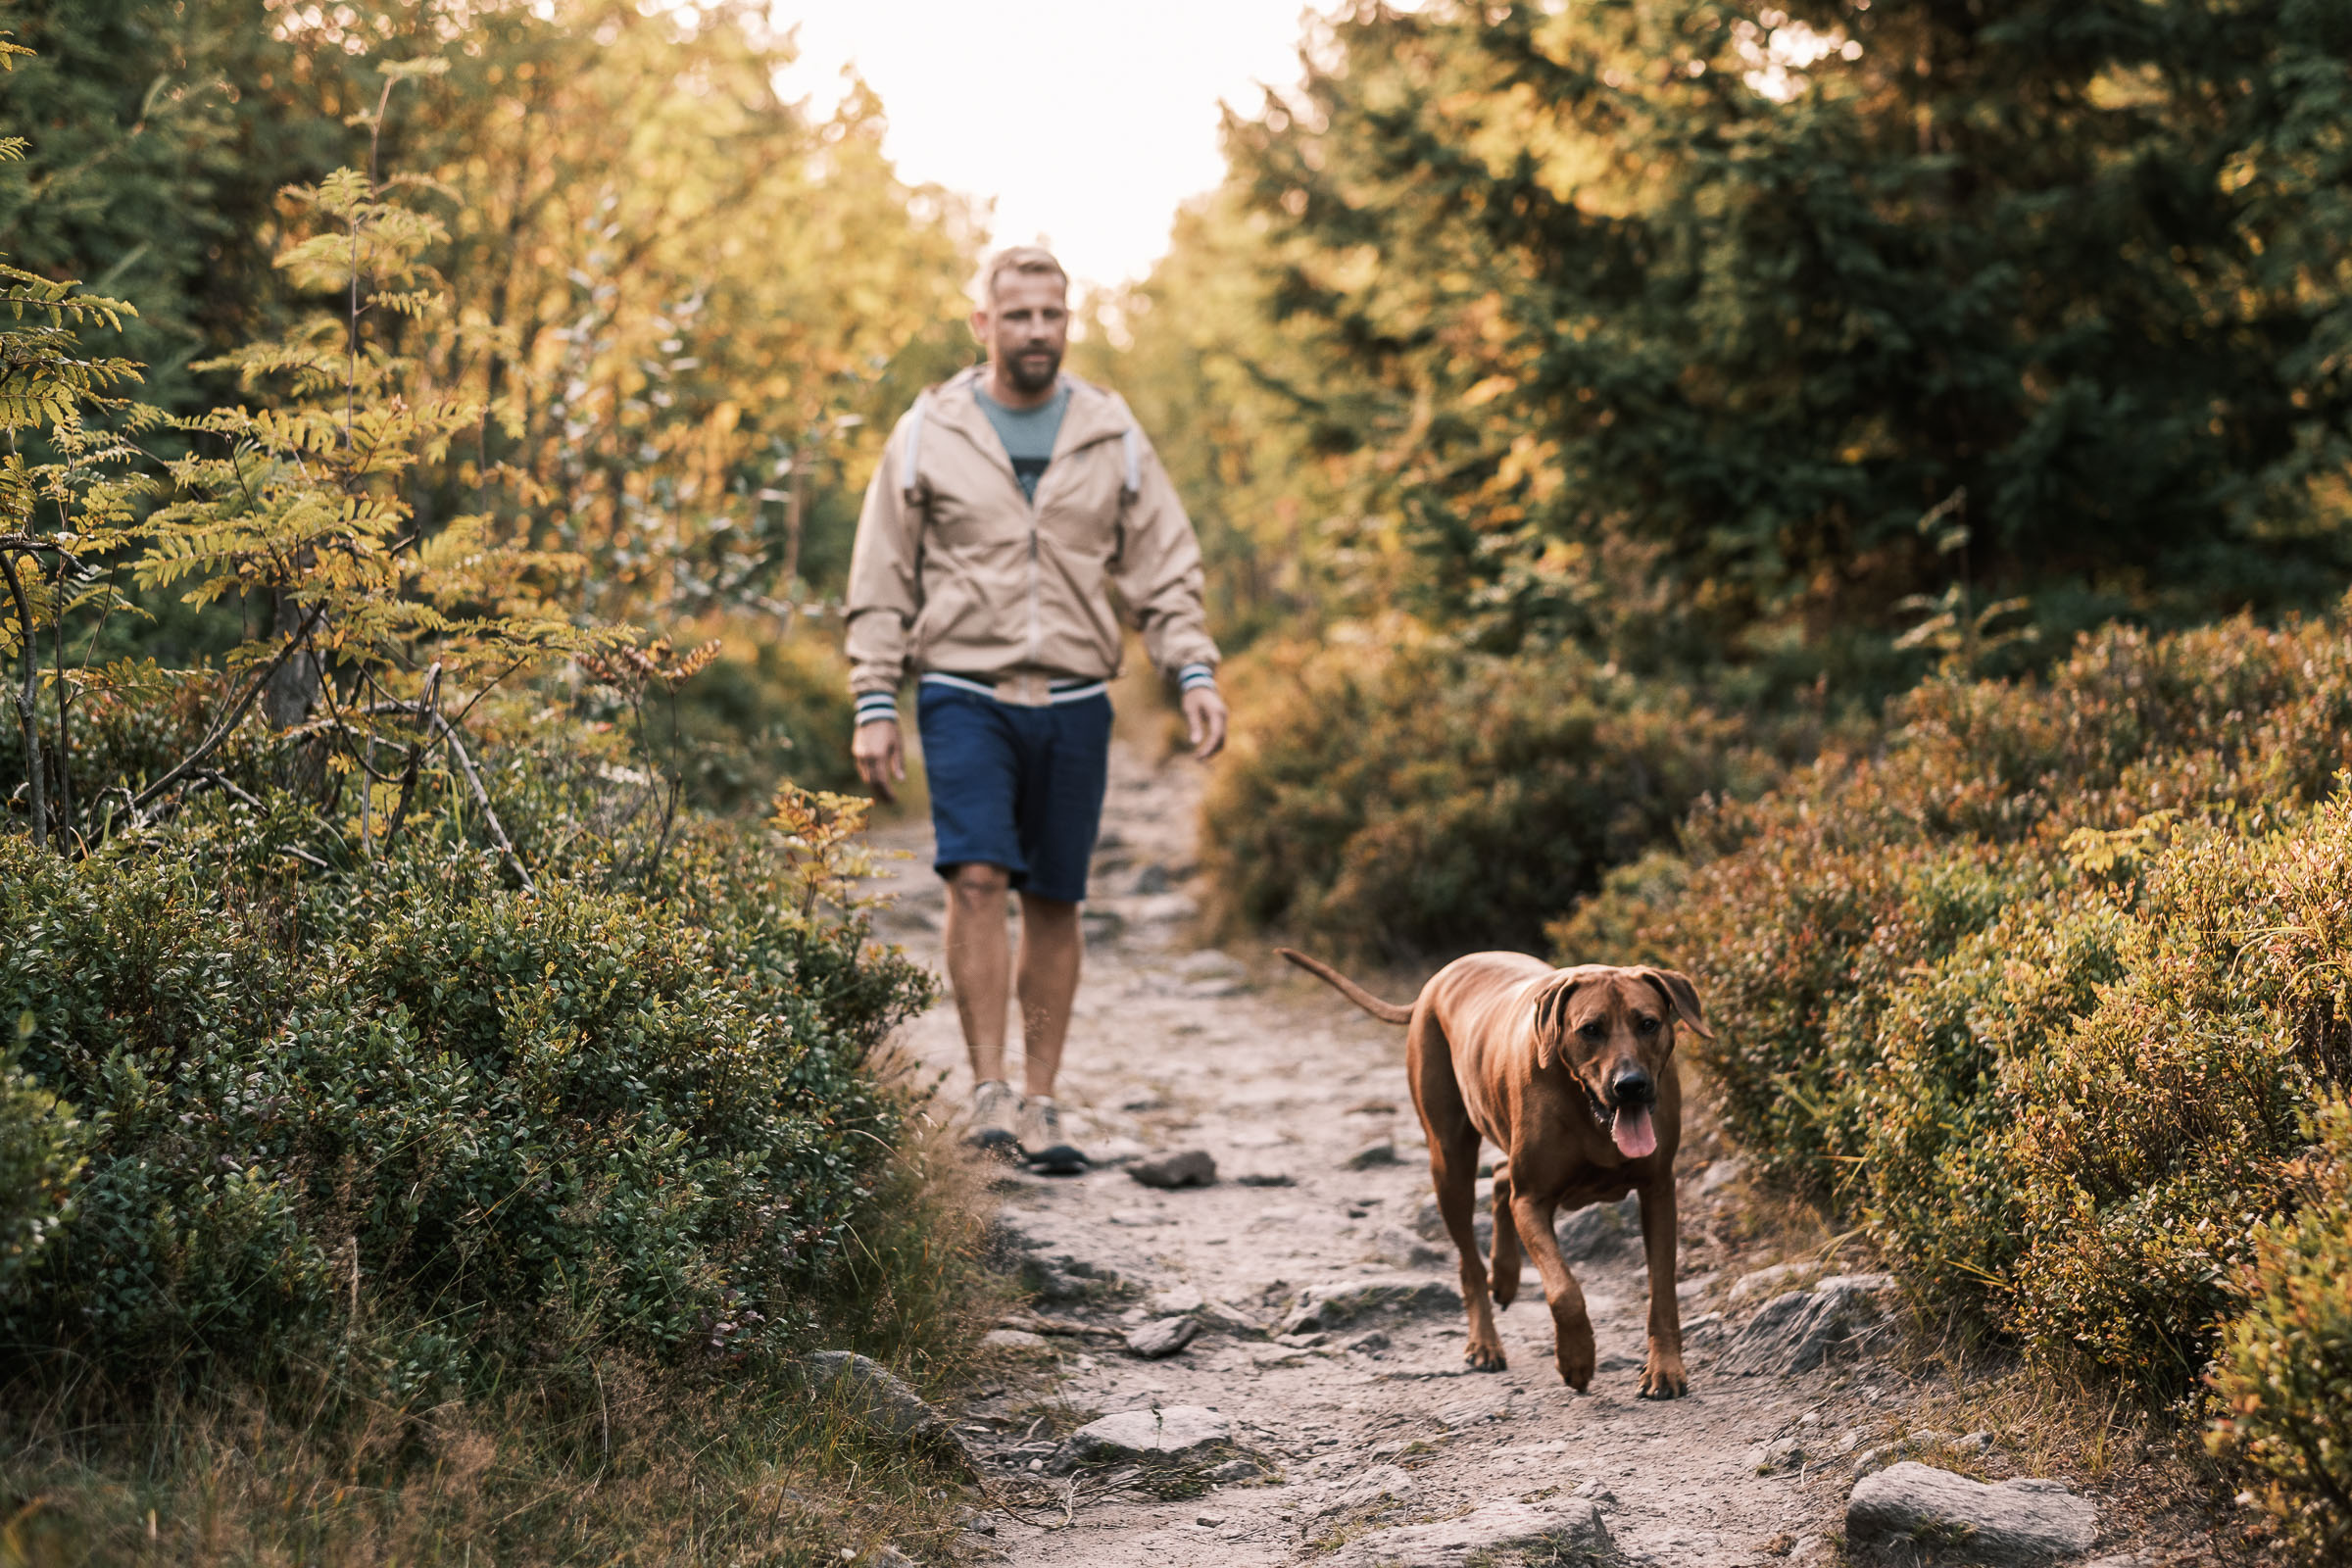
{"type": "Point", "coordinates": [1597, 1493]}
{"type": "Point", "coordinates": [1367, 1488]}
{"type": "Point", "coordinates": [1800, 1330]}
{"type": "Point", "coordinates": [887, 1557]}
{"type": "Point", "coordinates": [1323, 1306]}
{"type": "Point", "coordinates": [1371, 1344]}
{"type": "Point", "coordinates": [1100, 925]}
{"type": "Point", "coordinates": [1776, 1453]}
{"type": "Point", "coordinates": [1394, 1244]}
{"type": "Point", "coordinates": [879, 1399]}
{"type": "Point", "coordinates": [1972, 1442]}
{"type": "Point", "coordinates": [1379, 1152]}
{"type": "Point", "coordinates": [1560, 1526]}
{"type": "Point", "coordinates": [1597, 1229]}
{"type": "Point", "coordinates": [1233, 1471]}
{"type": "Point", "coordinates": [1300, 1341]}
{"type": "Point", "coordinates": [1778, 1277]}
{"type": "Point", "coordinates": [1172, 1436]}
{"type": "Point", "coordinates": [1163, 1337]}
{"type": "Point", "coordinates": [1207, 964]}
{"type": "Point", "coordinates": [2014, 1522]}
{"type": "Point", "coordinates": [1153, 879]}
{"type": "Point", "coordinates": [1017, 1342]}
{"type": "Point", "coordinates": [1190, 1167]}
{"type": "Point", "coordinates": [1430, 1225]}
{"type": "Point", "coordinates": [1722, 1173]}
{"type": "Point", "coordinates": [1174, 1299]}
{"type": "Point", "coordinates": [1265, 1178]}
{"type": "Point", "coordinates": [1165, 909]}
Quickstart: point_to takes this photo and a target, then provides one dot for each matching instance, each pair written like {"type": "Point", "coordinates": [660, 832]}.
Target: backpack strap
{"type": "Point", "coordinates": [910, 451]}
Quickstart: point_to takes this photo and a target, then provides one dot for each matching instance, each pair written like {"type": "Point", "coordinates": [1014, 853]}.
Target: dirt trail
{"type": "Point", "coordinates": [1282, 1082]}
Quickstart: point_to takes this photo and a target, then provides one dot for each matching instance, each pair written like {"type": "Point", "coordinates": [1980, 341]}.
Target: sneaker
{"type": "Point", "coordinates": [995, 1109]}
{"type": "Point", "coordinates": [1043, 1144]}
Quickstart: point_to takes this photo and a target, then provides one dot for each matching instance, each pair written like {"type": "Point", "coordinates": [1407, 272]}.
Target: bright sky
{"type": "Point", "coordinates": [1086, 122]}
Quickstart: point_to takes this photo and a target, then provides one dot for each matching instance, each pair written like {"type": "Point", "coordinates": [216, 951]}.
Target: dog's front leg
{"type": "Point", "coordinates": [1662, 1378]}
{"type": "Point", "coordinates": [1571, 1324]}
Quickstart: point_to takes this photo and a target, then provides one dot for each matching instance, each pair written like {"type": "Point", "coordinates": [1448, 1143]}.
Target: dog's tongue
{"type": "Point", "coordinates": [1631, 1130]}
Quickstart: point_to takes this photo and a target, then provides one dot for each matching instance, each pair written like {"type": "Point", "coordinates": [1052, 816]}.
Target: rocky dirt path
{"type": "Point", "coordinates": [1365, 1440]}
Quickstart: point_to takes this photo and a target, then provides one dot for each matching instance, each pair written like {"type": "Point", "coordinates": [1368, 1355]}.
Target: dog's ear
{"type": "Point", "coordinates": [1551, 1017]}
{"type": "Point", "coordinates": [1675, 986]}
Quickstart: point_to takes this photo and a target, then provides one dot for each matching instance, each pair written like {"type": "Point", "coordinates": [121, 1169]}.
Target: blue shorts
{"type": "Point", "coordinates": [1016, 787]}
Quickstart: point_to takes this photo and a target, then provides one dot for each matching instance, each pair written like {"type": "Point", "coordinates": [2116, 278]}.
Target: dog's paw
{"type": "Point", "coordinates": [1576, 1363]}
{"type": "Point", "coordinates": [1484, 1355]}
{"type": "Point", "coordinates": [1506, 1288]}
{"type": "Point", "coordinates": [1664, 1379]}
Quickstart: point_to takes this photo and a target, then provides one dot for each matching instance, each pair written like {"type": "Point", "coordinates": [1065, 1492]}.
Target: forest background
{"type": "Point", "coordinates": [1830, 496]}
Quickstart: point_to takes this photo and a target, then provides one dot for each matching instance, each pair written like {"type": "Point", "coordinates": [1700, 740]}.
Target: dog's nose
{"type": "Point", "coordinates": [1633, 1087]}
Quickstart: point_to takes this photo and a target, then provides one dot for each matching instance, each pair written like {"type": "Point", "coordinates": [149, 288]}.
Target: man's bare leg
{"type": "Point", "coordinates": [980, 965]}
{"type": "Point", "coordinates": [1051, 945]}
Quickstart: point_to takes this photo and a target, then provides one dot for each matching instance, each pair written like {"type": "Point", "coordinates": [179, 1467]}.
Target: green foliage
{"type": "Point", "coordinates": [1411, 800]}
{"type": "Point", "coordinates": [1517, 315]}
{"type": "Point", "coordinates": [2285, 1372]}
{"type": "Point", "coordinates": [450, 1114]}
{"type": "Point", "coordinates": [2042, 994]}
{"type": "Point", "coordinates": [40, 1154]}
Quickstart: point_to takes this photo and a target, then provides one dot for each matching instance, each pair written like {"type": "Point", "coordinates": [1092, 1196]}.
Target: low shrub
{"type": "Point", "coordinates": [2284, 1375]}
{"type": "Point", "coordinates": [2041, 993]}
{"type": "Point", "coordinates": [410, 1097]}
{"type": "Point", "coordinates": [1389, 798]}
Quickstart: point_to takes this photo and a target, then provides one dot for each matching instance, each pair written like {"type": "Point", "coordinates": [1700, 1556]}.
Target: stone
{"type": "Point", "coordinates": [1174, 1299]}
{"type": "Point", "coordinates": [1153, 879]}
{"type": "Point", "coordinates": [1776, 1453]}
{"type": "Point", "coordinates": [1165, 909]}
{"type": "Point", "coordinates": [1597, 1229]}
{"type": "Point", "coordinates": [1372, 1343]}
{"type": "Point", "coordinates": [1800, 1330]}
{"type": "Point", "coordinates": [1207, 964]}
{"type": "Point", "coordinates": [1368, 1488]}
{"type": "Point", "coordinates": [887, 1556]}
{"type": "Point", "coordinates": [1778, 1277]}
{"type": "Point", "coordinates": [1190, 1167]}
{"type": "Point", "coordinates": [1722, 1173]}
{"type": "Point", "coordinates": [1017, 1342]}
{"type": "Point", "coordinates": [1163, 1337]}
{"type": "Point", "coordinates": [1233, 1471]}
{"type": "Point", "coordinates": [1559, 1525]}
{"type": "Point", "coordinates": [1394, 1245]}
{"type": "Point", "coordinates": [879, 1399]}
{"type": "Point", "coordinates": [1379, 1152]}
{"type": "Point", "coordinates": [1324, 1306]}
{"type": "Point", "coordinates": [2014, 1522]}
{"type": "Point", "coordinates": [1171, 1436]}
{"type": "Point", "coordinates": [1265, 1178]}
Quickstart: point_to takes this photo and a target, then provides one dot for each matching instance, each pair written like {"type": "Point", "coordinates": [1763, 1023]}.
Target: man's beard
{"type": "Point", "coordinates": [1026, 377]}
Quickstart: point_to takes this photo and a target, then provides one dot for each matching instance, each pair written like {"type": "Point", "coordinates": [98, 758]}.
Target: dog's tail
{"type": "Point", "coordinates": [1385, 1011]}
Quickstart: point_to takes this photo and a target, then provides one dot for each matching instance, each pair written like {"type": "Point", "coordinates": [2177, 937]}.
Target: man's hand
{"type": "Point", "coordinates": [882, 762]}
{"type": "Point", "coordinates": [1204, 718]}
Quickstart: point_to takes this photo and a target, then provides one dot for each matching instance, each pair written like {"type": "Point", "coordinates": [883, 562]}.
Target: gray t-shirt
{"type": "Point", "coordinates": [1028, 434]}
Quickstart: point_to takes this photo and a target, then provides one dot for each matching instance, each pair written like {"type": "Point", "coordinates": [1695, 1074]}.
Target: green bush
{"type": "Point", "coordinates": [409, 1098]}
{"type": "Point", "coordinates": [2041, 993]}
{"type": "Point", "coordinates": [1413, 799]}
{"type": "Point", "coordinates": [40, 1152]}
{"type": "Point", "coordinates": [2283, 1376]}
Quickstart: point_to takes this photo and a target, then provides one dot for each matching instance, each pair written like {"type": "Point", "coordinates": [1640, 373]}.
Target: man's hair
{"type": "Point", "coordinates": [1031, 259]}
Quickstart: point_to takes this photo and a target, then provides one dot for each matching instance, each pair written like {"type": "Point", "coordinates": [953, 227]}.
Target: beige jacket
{"type": "Point", "coordinates": [957, 572]}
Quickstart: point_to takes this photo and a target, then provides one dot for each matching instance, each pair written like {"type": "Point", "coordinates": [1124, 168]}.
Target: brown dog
{"type": "Point", "coordinates": [1569, 1072]}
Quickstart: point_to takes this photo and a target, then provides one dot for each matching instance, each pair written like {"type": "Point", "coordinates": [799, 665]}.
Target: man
{"type": "Point", "coordinates": [1012, 501]}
